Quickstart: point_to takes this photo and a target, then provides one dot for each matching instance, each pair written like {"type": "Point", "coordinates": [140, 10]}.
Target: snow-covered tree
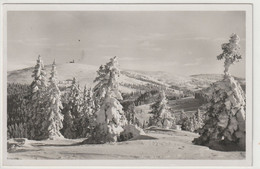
{"type": "Point", "coordinates": [88, 102]}
{"type": "Point", "coordinates": [39, 77]}
{"type": "Point", "coordinates": [231, 52]}
{"type": "Point", "coordinates": [87, 110]}
{"type": "Point", "coordinates": [161, 113]}
{"type": "Point", "coordinates": [37, 100]}
{"type": "Point", "coordinates": [193, 124]}
{"type": "Point", "coordinates": [18, 108]}
{"type": "Point", "coordinates": [129, 109]}
{"type": "Point", "coordinates": [73, 112]}
{"type": "Point", "coordinates": [199, 119]}
{"type": "Point", "coordinates": [68, 129]}
{"type": "Point", "coordinates": [75, 99]}
{"type": "Point", "coordinates": [225, 111]}
{"type": "Point", "coordinates": [52, 119]}
{"type": "Point", "coordinates": [99, 90]}
{"type": "Point", "coordinates": [110, 117]}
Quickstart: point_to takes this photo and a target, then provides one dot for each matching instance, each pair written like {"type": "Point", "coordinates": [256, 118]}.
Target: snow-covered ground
{"type": "Point", "coordinates": [84, 74]}
{"type": "Point", "coordinates": [155, 145]}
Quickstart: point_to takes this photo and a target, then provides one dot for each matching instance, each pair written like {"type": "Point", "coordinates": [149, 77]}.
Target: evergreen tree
{"type": "Point", "coordinates": [68, 129]}
{"type": "Point", "coordinates": [39, 83]}
{"type": "Point", "coordinates": [129, 109]}
{"type": "Point", "coordinates": [199, 119]}
{"type": "Point", "coordinates": [37, 100]}
{"type": "Point", "coordinates": [110, 117]}
{"type": "Point", "coordinates": [17, 110]}
{"type": "Point", "coordinates": [192, 123]}
{"type": "Point", "coordinates": [53, 118]}
{"type": "Point", "coordinates": [231, 52]}
{"type": "Point", "coordinates": [225, 110]}
{"type": "Point", "coordinates": [88, 102]}
{"type": "Point", "coordinates": [73, 113]}
{"type": "Point", "coordinates": [189, 123]}
{"type": "Point", "coordinates": [162, 117]}
{"type": "Point", "coordinates": [87, 110]}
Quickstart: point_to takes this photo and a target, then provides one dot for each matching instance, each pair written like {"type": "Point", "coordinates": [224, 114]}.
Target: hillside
{"type": "Point", "coordinates": [130, 80]}
{"type": "Point", "coordinates": [85, 75]}
{"type": "Point", "coordinates": [188, 105]}
{"type": "Point", "coordinates": [182, 82]}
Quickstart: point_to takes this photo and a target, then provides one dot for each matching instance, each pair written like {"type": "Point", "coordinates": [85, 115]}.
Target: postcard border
{"type": "Point", "coordinates": [249, 76]}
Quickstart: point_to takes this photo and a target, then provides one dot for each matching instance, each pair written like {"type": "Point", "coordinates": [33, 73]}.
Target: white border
{"type": "Point", "coordinates": [134, 7]}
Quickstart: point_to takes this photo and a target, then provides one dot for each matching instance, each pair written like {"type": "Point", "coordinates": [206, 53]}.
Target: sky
{"type": "Point", "coordinates": [180, 42]}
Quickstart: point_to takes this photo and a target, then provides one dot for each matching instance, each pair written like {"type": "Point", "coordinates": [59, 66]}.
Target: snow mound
{"type": "Point", "coordinates": [134, 129]}
{"type": "Point", "coordinates": [131, 132]}
{"type": "Point", "coordinates": [13, 144]}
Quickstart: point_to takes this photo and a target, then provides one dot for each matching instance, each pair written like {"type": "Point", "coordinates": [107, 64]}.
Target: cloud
{"type": "Point", "coordinates": [144, 37]}
{"type": "Point", "coordinates": [220, 39]}
{"type": "Point", "coordinates": [129, 59]}
{"type": "Point", "coordinates": [189, 52]}
{"type": "Point", "coordinates": [32, 42]}
{"type": "Point", "coordinates": [157, 49]}
{"type": "Point", "coordinates": [195, 63]}
{"type": "Point", "coordinates": [192, 38]}
{"type": "Point", "coordinates": [226, 39]}
{"type": "Point", "coordinates": [150, 36]}
{"type": "Point", "coordinates": [150, 46]}
{"type": "Point", "coordinates": [108, 46]}
{"type": "Point", "coordinates": [201, 38]}
{"type": "Point", "coordinates": [191, 64]}
{"type": "Point", "coordinates": [147, 44]}
{"type": "Point", "coordinates": [166, 64]}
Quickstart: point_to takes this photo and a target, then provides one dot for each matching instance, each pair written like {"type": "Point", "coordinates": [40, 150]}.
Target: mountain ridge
{"type": "Point", "coordinates": [85, 75]}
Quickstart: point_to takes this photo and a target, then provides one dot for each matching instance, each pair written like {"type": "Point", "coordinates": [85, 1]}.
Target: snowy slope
{"type": "Point", "coordinates": [85, 74]}
{"type": "Point", "coordinates": [192, 83]}
{"type": "Point", "coordinates": [166, 144]}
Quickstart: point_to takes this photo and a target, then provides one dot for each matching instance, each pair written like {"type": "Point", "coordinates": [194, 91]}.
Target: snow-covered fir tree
{"type": "Point", "coordinates": [129, 109]}
{"type": "Point", "coordinates": [162, 116]}
{"type": "Point", "coordinates": [73, 112]}
{"type": "Point", "coordinates": [193, 123]}
{"type": "Point", "coordinates": [37, 100]}
{"type": "Point", "coordinates": [68, 129]}
{"type": "Point", "coordinates": [87, 110]}
{"type": "Point", "coordinates": [88, 102]}
{"type": "Point", "coordinates": [53, 118]}
{"type": "Point", "coordinates": [39, 77]}
{"type": "Point", "coordinates": [231, 52]}
{"type": "Point", "coordinates": [225, 111]}
{"type": "Point", "coordinates": [199, 119]}
{"type": "Point", "coordinates": [110, 117]}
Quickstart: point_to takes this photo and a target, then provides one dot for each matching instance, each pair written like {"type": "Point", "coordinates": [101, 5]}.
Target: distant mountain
{"type": "Point", "coordinates": [191, 83]}
{"type": "Point", "coordinates": [130, 80]}
{"type": "Point", "coordinates": [85, 75]}
{"type": "Point", "coordinates": [207, 79]}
